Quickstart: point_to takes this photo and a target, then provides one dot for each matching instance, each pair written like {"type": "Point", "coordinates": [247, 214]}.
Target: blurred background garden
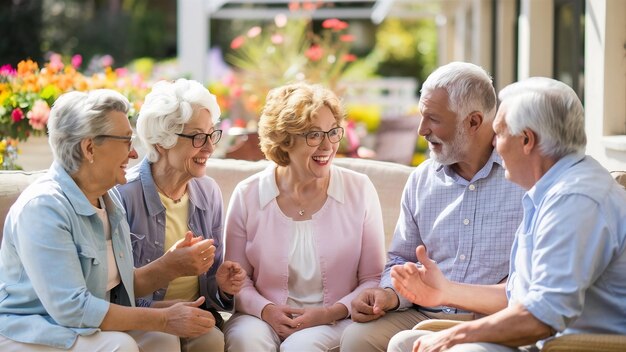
{"type": "Point", "coordinates": [53, 46]}
{"type": "Point", "coordinates": [373, 53]}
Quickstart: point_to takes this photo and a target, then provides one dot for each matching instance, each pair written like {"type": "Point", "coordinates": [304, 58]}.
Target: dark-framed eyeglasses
{"type": "Point", "coordinates": [198, 140]}
{"type": "Point", "coordinates": [132, 140]}
{"type": "Point", "coordinates": [315, 138]}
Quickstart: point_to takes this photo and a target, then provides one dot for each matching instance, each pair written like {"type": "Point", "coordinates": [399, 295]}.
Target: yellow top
{"type": "Point", "coordinates": [176, 215]}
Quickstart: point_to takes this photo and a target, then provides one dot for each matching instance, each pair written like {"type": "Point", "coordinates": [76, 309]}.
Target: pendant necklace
{"type": "Point", "coordinates": [301, 212]}
{"type": "Point", "coordinates": [176, 201]}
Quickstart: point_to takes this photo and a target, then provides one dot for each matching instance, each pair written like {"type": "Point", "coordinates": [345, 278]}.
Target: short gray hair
{"type": "Point", "coordinates": [549, 108]}
{"type": "Point", "coordinates": [469, 88]}
{"type": "Point", "coordinates": [78, 115]}
{"type": "Point", "coordinates": [166, 110]}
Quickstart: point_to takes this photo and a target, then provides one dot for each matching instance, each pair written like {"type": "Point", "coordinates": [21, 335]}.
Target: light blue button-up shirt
{"type": "Point", "coordinates": [466, 226]}
{"type": "Point", "coordinates": [568, 264]}
{"type": "Point", "coordinates": [53, 263]}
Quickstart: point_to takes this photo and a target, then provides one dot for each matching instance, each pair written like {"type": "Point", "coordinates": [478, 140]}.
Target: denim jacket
{"type": "Point", "coordinates": [53, 263]}
{"type": "Point", "coordinates": [146, 216]}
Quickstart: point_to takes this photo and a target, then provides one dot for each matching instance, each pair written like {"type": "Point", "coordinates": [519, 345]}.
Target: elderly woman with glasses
{"type": "Point", "coordinates": [170, 202]}
{"type": "Point", "coordinates": [309, 234]}
{"type": "Point", "coordinates": [66, 273]}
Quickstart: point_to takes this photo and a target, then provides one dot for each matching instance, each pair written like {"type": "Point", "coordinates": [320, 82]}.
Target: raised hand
{"type": "Point", "coordinates": [423, 284]}
{"type": "Point", "coordinates": [190, 256]}
{"type": "Point", "coordinates": [185, 319]}
{"type": "Point", "coordinates": [281, 319]}
{"type": "Point", "coordinates": [230, 277]}
{"type": "Point", "coordinates": [372, 303]}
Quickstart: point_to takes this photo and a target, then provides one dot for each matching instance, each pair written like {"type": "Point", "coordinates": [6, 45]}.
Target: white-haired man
{"type": "Point", "coordinates": [568, 262]}
{"type": "Point", "coordinates": [458, 204]}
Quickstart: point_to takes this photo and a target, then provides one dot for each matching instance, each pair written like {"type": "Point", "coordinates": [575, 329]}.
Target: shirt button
{"type": "Point", "coordinates": [466, 222]}
{"type": "Point", "coordinates": [121, 255]}
{"type": "Point", "coordinates": [472, 187]}
{"type": "Point", "coordinates": [462, 256]}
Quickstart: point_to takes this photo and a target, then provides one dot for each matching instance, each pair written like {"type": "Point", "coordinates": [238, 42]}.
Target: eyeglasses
{"type": "Point", "coordinates": [198, 140]}
{"type": "Point", "coordinates": [315, 138]}
{"type": "Point", "coordinates": [132, 140]}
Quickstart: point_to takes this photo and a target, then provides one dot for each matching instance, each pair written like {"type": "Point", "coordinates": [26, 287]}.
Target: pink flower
{"type": "Point", "coordinates": [121, 72]}
{"type": "Point", "coordinates": [280, 20]}
{"type": "Point", "coordinates": [17, 115]}
{"type": "Point", "coordinates": [56, 64]}
{"type": "Point", "coordinates": [76, 61]}
{"type": "Point", "coordinates": [254, 31]}
{"type": "Point", "coordinates": [38, 115]}
{"type": "Point", "coordinates": [237, 42]}
{"type": "Point", "coordinates": [277, 39]}
{"type": "Point", "coordinates": [7, 70]}
{"type": "Point", "coordinates": [107, 61]}
{"type": "Point", "coordinates": [314, 53]}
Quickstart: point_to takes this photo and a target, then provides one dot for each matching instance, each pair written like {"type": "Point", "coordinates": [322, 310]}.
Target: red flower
{"type": "Point", "coordinates": [237, 42]}
{"type": "Point", "coordinates": [17, 115]}
{"type": "Point", "coordinates": [348, 38]}
{"type": "Point", "coordinates": [335, 24]}
{"type": "Point", "coordinates": [314, 53]}
{"type": "Point", "coordinates": [349, 57]}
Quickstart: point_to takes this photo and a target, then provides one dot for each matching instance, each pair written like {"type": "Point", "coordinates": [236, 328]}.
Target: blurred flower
{"type": "Point", "coordinates": [38, 115]}
{"type": "Point", "coordinates": [76, 61]}
{"type": "Point", "coordinates": [26, 93]}
{"type": "Point", "coordinates": [289, 50]}
{"type": "Point", "coordinates": [8, 154]}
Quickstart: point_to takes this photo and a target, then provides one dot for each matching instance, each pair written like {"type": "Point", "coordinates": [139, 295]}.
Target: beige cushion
{"type": "Point", "coordinates": [12, 183]}
{"type": "Point", "coordinates": [388, 178]}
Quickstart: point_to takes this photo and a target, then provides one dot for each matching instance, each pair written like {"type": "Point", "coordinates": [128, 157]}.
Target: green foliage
{"type": "Point", "coordinates": [403, 48]}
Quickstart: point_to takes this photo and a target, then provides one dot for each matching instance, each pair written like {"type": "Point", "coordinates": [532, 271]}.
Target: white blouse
{"type": "Point", "coordinates": [305, 276]}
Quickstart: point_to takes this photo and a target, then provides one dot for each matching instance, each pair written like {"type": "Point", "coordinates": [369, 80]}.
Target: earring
{"type": "Point", "coordinates": [91, 161]}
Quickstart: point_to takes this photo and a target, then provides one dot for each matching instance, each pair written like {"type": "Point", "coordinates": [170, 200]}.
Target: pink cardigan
{"type": "Point", "coordinates": [348, 233]}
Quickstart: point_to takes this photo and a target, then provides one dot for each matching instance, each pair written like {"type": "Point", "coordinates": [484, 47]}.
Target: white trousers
{"type": "Point", "coordinates": [245, 332]}
{"type": "Point", "coordinates": [105, 341]}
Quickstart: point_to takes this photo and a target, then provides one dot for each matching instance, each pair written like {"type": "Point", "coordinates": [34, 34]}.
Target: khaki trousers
{"type": "Point", "coordinates": [374, 336]}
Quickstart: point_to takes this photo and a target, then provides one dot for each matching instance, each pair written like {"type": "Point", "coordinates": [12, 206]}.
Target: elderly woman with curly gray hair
{"type": "Point", "coordinates": [67, 279]}
{"type": "Point", "coordinates": [170, 201]}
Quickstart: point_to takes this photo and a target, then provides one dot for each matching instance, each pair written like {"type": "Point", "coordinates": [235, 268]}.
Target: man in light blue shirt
{"type": "Point", "coordinates": [568, 262]}
{"type": "Point", "coordinates": [458, 204]}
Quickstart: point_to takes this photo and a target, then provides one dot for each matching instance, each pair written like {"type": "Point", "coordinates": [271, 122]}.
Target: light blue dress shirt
{"type": "Point", "coordinates": [568, 265]}
{"type": "Point", "coordinates": [466, 226]}
{"type": "Point", "coordinates": [53, 263]}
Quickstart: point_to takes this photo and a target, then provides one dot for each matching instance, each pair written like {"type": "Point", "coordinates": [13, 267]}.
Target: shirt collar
{"type": "Point", "coordinates": [545, 183]}
{"type": "Point", "coordinates": [77, 197]}
{"type": "Point", "coordinates": [74, 194]}
{"type": "Point", "coordinates": [268, 189]}
{"type": "Point", "coordinates": [494, 158]}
